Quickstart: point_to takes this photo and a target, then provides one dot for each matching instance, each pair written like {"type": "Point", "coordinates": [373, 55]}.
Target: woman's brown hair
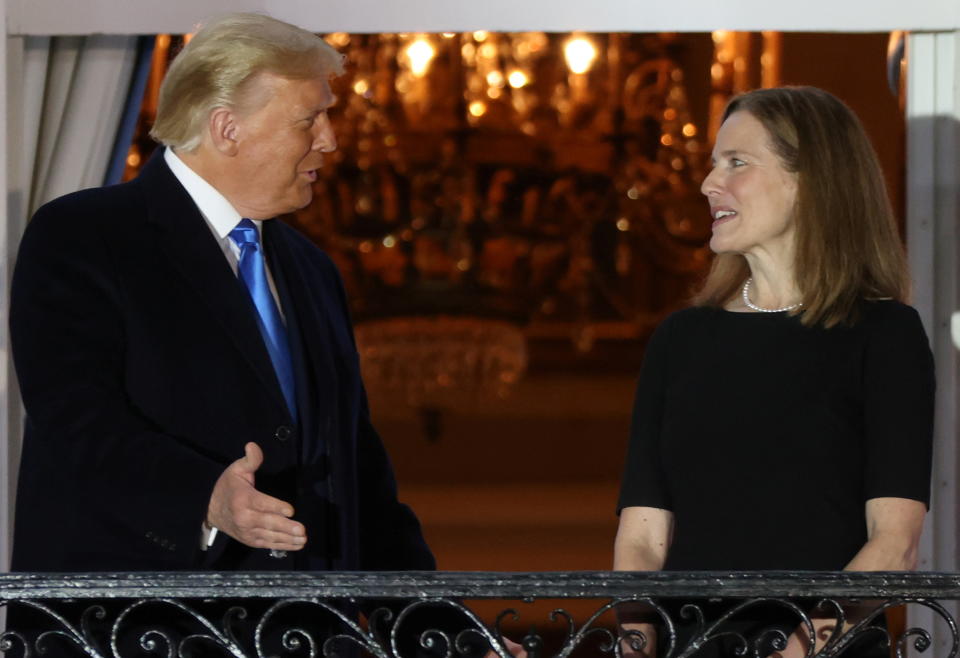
{"type": "Point", "coordinates": [848, 248]}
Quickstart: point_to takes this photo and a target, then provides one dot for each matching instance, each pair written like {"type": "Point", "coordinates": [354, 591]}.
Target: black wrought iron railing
{"type": "Point", "coordinates": [452, 613]}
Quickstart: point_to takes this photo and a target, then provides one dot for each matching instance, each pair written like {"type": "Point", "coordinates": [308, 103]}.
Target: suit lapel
{"type": "Point", "coordinates": [184, 237]}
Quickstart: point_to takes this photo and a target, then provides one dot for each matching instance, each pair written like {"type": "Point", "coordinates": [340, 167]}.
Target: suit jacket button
{"type": "Point", "coordinates": [283, 432]}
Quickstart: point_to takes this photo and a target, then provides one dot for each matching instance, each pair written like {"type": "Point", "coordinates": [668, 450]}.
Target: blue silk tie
{"type": "Point", "coordinates": [253, 273]}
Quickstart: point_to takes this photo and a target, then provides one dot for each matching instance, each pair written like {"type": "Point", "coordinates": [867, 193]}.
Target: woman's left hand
{"type": "Point", "coordinates": [798, 644]}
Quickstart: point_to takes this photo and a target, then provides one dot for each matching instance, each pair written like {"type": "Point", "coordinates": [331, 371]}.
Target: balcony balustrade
{"type": "Point", "coordinates": [314, 614]}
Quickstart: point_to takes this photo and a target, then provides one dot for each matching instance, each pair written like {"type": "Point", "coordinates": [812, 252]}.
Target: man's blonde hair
{"type": "Point", "coordinates": [215, 68]}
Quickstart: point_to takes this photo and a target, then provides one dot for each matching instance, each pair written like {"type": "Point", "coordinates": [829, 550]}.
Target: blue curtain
{"type": "Point", "coordinates": [131, 111]}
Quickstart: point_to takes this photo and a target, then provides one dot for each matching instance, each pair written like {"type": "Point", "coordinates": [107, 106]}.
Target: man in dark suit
{"type": "Point", "coordinates": [187, 363]}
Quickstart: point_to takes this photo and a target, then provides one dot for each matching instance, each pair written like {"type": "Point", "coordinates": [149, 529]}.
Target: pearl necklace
{"type": "Point", "coordinates": [746, 300]}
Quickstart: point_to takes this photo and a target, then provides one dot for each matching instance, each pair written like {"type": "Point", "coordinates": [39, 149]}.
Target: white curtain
{"type": "Point", "coordinates": [74, 93]}
{"type": "Point", "coordinates": [65, 99]}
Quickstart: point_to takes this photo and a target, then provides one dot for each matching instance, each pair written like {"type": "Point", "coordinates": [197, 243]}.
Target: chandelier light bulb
{"type": "Point", "coordinates": [517, 79]}
{"type": "Point", "coordinates": [420, 53]}
{"type": "Point", "coordinates": [477, 108]}
{"type": "Point", "coordinates": [495, 79]}
{"type": "Point", "coordinates": [580, 54]}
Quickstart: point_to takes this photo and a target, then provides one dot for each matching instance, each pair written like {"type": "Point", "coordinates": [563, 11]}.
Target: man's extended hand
{"type": "Point", "coordinates": [249, 516]}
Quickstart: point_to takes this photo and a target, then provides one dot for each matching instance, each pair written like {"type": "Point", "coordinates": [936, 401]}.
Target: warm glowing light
{"type": "Point", "coordinates": [720, 35]}
{"type": "Point", "coordinates": [518, 78]}
{"type": "Point", "coordinates": [580, 54]}
{"type": "Point", "coordinates": [716, 71]}
{"type": "Point", "coordinates": [494, 92]}
{"type": "Point", "coordinates": [480, 35]}
{"type": "Point", "coordinates": [463, 264]}
{"type": "Point", "coordinates": [495, 79]}
{"type": "Point", "coordinates": [389, 242]}
{"type": "Point", "coordinates": [420, 53]}
{"type": "Point", "coordinates": [666, 140]}
{"type": "Point", "coordinates": [488, 50]}
{"type": "Point", "coordinates": [133, 159]}
{"type": "Point", "coordinates": [689, 130]}
{"type": "Point", "coordinates": [361, 86]}
{"type": "Point", "coordinates": [468, 51]}
{"type": "Point", "coordinates": [623, 224]}
{"type": "Point", "coordinates": [338, 39]}
{"type": "Point", "coordinates": [365, 247]}
{"type": "Point", "coordinates": [478, 108]}
{"type": "Point", "coordinates": [633, 193]}
{"type": "Point", "coordinates": [449, 35]}
{"type": "Point", "coordinates": [669, 114]}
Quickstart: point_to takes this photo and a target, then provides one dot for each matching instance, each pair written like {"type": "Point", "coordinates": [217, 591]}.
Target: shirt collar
{"type": "Point", "coordinates": [219, 213]}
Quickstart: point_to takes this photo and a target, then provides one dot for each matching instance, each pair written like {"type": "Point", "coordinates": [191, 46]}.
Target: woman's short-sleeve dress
{"type": "Point", "coordinates": [765, 437]}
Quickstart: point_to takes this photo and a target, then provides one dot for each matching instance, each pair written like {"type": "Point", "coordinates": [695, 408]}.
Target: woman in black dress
{"type": "Point", "coordinates": [785, 420]}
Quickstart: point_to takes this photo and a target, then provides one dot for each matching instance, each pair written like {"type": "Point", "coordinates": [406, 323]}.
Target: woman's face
{"type": "Point", "coordinates": [752, 197]}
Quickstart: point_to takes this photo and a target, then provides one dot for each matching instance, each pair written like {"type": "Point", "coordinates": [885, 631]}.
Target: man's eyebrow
{"type": "Point", "coordinates": [320, 109]}
{"type": "Point", "coordinates": [312, 114]}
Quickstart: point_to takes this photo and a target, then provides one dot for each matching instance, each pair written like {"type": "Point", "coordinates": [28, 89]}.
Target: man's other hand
{"type": "Point", "coordinates": [249, 516]}
{"type": "Point", "coordinates": [513, 649]}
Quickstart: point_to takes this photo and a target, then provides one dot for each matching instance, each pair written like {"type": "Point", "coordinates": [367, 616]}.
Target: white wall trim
{"type": "Point", "coordinates": [9, 399]}
{"type": "Point", "coordinates": [933, 215]}
{"type": "Point", "coordinates": [43, 17]}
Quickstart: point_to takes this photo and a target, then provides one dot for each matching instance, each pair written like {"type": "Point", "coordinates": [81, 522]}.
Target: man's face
{"type": "Point", "coordinates": [280, 146]}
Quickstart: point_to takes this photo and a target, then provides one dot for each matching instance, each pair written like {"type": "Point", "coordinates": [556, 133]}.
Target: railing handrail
{"type": "Point", "coordinates": [482, 584]}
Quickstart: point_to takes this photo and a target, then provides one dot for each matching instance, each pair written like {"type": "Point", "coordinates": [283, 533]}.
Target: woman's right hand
{"type": "Point", "coordinates": [643, 539]}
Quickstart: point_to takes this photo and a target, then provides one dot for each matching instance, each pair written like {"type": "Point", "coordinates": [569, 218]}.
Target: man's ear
{"type": "Point", "coordinates": [224, 130]}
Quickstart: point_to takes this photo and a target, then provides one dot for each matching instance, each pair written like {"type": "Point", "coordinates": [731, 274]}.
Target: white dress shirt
{"type": "Point", "coordinates": [220, 215]}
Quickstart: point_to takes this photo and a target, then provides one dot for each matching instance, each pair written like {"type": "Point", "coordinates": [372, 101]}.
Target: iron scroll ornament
{"type": "Point", "coordinates": [115, 600]}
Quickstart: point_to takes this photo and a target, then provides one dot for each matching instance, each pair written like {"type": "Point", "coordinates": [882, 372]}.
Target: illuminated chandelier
{"type": "Point", "coordinates": [489, 189]}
